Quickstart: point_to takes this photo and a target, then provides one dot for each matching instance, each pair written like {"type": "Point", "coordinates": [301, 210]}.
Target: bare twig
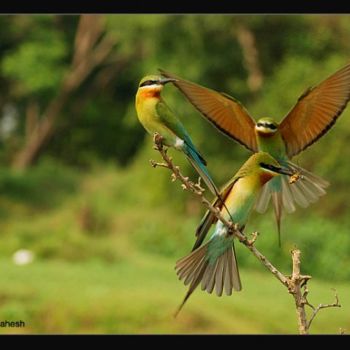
{"type": "Point", "coordinates": [296, 284]}
{"type": "Point", "coordinates": [295, 288]}
{"type": "Point", "coordinates": [254, 238]}
{"type": "Point", "coordinates": [322, 306]}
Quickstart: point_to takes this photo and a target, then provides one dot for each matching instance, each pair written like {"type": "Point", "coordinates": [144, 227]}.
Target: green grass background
{"type": "Point", "coordinates": [115, 272]}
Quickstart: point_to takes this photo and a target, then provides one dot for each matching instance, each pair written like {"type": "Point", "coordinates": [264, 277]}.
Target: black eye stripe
{"type": "Point", "coordinates": [271, 126]}
{"type": "Point", "coordinates": [148, 82]}
{"type": "Point", "coordinates": [269, 167]}
{"type": "Point", "coordinates": [268, 125]}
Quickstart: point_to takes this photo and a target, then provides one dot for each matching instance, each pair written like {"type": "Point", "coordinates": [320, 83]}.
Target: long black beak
{"type": "Point", "coordinates": [164, 81]}
{"type": "Point", "coordinates": [284, 171]}
{"type": "Point", "coordinates": [280, 170]}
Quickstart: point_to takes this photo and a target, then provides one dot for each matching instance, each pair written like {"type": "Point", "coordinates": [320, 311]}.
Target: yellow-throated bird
{"type": "Point", "coordinates": [214, 264]}
{"type": "Point", "coordinates": [313, 115]}
{"type": "Point", "coordinates": [156, 117]}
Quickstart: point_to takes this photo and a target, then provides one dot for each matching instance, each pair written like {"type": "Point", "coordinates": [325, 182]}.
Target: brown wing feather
{"type": "Point", "coordinates": [316, 111]}
{"type": "Point", "coordinates": [222, 110]}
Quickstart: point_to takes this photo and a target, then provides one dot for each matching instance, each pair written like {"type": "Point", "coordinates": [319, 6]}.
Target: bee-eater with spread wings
{"type": "Point", "coordinates": [157, 117]}
{"type": "Point", "coordinates": [312, 116]}
{"type": "Point", "coordinates": [214, 264]}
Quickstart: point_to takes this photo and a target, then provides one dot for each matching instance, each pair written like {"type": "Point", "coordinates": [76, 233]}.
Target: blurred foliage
{"type": "Point", "coordinates": [29, 188]}
{"type": "Point", "coordinates": [99, 122]}
{"type": "Point", "coordinates": [92, 194]}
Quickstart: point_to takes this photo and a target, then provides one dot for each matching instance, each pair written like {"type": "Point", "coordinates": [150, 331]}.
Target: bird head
{"type": "Point", "coordinates": [266, 126]}
{"type": "Point", "coordinates": [269, 167]}
{"type": "Point", "coordinates": [265, 166]}
{"type": "Point", "coordinates": [154, 82]}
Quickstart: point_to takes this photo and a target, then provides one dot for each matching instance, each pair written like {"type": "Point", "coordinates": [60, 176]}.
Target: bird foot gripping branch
{"type": "Point", "coordinates": [176, 174]}
{"type": "Point", "coordinates": [158, 146]}
{"type": "Point", "coordinates": [158, 141]}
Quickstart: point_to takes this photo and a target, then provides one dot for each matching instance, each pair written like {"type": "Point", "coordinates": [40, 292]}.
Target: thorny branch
{"type": "Point", "coordinates": [296, 283]}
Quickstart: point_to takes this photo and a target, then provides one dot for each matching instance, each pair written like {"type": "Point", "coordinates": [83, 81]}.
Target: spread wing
{"type": "Point", "coordinates": [316, 111]}
{"type": "Point", "coordinates": [222, 110]}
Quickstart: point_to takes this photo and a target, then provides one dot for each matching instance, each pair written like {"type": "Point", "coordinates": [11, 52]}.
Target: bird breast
{"type": "Point", "coordinates": [265, 177]}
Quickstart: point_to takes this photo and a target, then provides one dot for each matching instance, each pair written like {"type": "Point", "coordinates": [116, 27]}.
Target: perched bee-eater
{"type": "Point", "coordinates": [157, 117]}
{"type": "Point", "coordinates": [214, 263]}
{"type": "Point", "coordinates": [313, 115]}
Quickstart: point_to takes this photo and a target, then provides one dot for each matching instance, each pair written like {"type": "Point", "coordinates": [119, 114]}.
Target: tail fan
{"type": "Point", "coordinates": [197, 268]}
{"type": "Point", "coordinates": [307, 189]}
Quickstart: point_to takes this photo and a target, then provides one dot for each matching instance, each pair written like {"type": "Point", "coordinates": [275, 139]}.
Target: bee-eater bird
{"type": "Point", "coordinates": [157, 117]}
{"type": "Point", "coordinates": [214, 264]}
{"type": "Point", "coordinates": [315, 112]}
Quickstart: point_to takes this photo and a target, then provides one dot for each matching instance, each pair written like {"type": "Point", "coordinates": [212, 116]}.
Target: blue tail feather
{"type": "Point", "coordinates": [197, 162]}
{"type": "Point", "coordinates": [195, 159]}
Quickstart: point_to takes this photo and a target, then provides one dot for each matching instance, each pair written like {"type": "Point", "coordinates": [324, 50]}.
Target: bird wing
{"type": "Point", "coordinates": [316, 111]}
{"type": "Point", "coordinates": [222, 110]}
{"type": "Point", "coordinates": [170, 120]}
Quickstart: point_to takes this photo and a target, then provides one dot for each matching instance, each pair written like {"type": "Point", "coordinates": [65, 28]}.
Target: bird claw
{"type": "Point", "coordinates": [157, 139]}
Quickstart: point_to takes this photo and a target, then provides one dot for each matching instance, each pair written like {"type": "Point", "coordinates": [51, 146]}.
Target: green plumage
{"type": "Point", "coordinates": [214, 263]}
{"type": "Point", "coordinates": [157, 117]}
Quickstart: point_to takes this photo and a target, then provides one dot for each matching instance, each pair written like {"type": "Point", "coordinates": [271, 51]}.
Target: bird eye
{"type": "Point", "coordinates": [268, 166]}
{"type": "Point", "coordinates": [148, 82]}
{"type": "Point", "coordinates": [271, 126]}
{"type": "Point", "coordinates": [259, 124]}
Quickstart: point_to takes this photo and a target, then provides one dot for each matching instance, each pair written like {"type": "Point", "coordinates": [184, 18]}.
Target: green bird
{"type": "Point", "coordinates": [157, 117]}
{"type": "Point", "coordinates": [315, 112]}
{"type": "Point", "coordinates": [214, 264]}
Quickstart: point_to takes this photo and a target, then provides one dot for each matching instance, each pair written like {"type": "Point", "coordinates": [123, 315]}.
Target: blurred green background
{"type": "Point", "coordinates": [78, 192]}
